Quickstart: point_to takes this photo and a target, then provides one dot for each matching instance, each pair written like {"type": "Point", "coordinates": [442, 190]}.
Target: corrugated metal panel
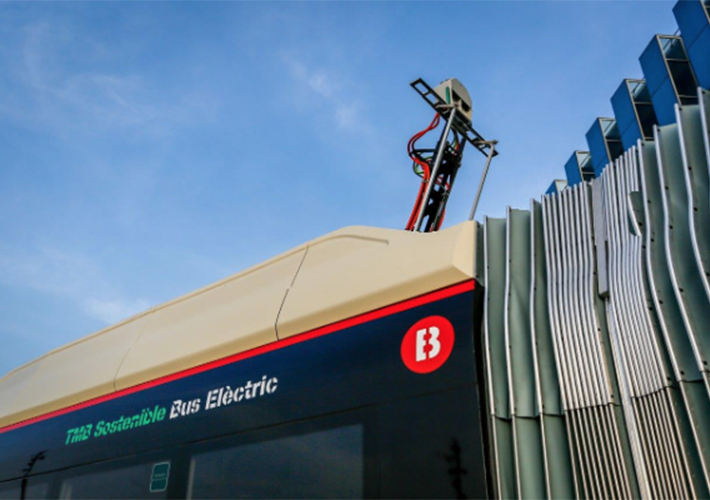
{"type": "Point", "coordinates": [685, 275]}
{"type": "Point", "coordinates": [659, 464]}
{"type": "Point", "coordinates": [559, 476]}
{"type": "Point", "coordinates": [695, 168]}
{"type": "Point", "coordinates": [597, 309]}
{"type": "Point", "coordinates": [527, 431]}
{"type": "Point", "coordinates": [589, 403]}
{"type": "Point", "coordinates": [689, 395]}
{"type": "Point", "coordinates": [504, 464]}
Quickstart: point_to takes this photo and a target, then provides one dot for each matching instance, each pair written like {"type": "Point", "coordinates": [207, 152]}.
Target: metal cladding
{"type": "Point", "coordinates": [673, 67]}
{"type": "Point", "coordinates": [693, 19]}
{"type": "Point", "coordinates": [596, 333]}
{"type": "Point", "coordinates": [669, 75]}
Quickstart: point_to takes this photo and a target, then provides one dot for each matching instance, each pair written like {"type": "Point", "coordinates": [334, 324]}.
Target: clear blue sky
{"type": "Point", "coordinates": [147, 149]}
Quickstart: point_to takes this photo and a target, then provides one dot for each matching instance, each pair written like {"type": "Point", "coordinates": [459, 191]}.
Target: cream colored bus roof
{"type": "Point", "coordinates": [345, 273]}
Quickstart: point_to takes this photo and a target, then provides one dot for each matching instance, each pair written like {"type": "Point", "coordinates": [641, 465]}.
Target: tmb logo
{"type": "Point", "coordinates": [428, 344]}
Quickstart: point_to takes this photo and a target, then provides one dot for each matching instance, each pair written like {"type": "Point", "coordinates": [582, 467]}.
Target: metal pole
{"type": "Point", "coordinates": [435, 169]}
{"type": "Point", "coordinates": [483, 179]}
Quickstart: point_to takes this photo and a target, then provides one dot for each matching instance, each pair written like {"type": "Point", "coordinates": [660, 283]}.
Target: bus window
{"type": "Point", "coordinates": [126, 482]}
{"type": "Point", "coordinates": [33, 488]}
{"type": "Point", "coordinates": [321, 464]}
{"type": "Point", "coordinates": [10, 490]}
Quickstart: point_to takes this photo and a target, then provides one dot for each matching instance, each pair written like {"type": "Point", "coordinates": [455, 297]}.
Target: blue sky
{"type": "Point", "coordinates": [148, 149]}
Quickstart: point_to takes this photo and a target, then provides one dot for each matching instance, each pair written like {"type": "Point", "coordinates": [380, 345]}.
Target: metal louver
{"type": "Point", "coordinates": [596, 333]}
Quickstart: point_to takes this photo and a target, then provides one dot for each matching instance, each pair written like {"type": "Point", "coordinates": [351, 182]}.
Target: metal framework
{"type": "Point", "coordinates": [447, 159]}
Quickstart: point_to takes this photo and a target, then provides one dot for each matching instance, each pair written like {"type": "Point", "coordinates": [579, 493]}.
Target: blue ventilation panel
{"type": "Point", "coordinates": [693, 18]}
{"type": "Point", "coordinates": [669, 76]}
{"type": "Point", "coordinates": [604, 143]}
{"type": "Point", "coordinates": [634, 112]}
{"type": "Point", "coordinates": [579, 168]}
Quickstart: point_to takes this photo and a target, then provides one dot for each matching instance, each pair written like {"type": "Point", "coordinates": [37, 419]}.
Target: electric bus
{"type": "Point", "coordinates": [344, 368]}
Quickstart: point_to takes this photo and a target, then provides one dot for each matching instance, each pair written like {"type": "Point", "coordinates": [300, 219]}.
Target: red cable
{"type": "Point", "coordinates": [415, 210]}
{"type": "Point", "coordinates": [425, 169]}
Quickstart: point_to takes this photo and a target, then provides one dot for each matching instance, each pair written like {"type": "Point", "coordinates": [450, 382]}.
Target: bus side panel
{"type": "Point", "coordinates": [425, 440]}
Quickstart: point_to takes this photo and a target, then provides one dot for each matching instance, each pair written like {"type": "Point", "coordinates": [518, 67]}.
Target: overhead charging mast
{"type": "Point", "coordinates": [437, 167]}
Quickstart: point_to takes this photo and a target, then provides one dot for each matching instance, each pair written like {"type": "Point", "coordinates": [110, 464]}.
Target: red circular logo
{"type": "Point", "coordinates": [428, 344]}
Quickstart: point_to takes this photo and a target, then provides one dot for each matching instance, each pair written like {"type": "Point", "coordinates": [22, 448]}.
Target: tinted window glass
{"type": "Point", "coordinates": [322, 464]}
{"type": "Point", "coordinates": [33, 489]}
{"type": "Point", "coordinates": [647, 115]}
{"type": "Point", "coordinates": [639, 90]}
{"type": "Point", "coordinates": [673, 48]}
{"type": "Point", "coordinates": [683, 78]}
{"type": "Point", "coordinates": [10, 491]}
{"type": "Point", "coordinates": [610, 129]}
{"type": "Point", "coordinates": [616, 149]}
{"type": "Point", "coordinates": [126, 482]}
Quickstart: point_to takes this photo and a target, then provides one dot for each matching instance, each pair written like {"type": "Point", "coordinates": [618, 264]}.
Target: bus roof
{"type": "Point", "coordinates": [340, 275]}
